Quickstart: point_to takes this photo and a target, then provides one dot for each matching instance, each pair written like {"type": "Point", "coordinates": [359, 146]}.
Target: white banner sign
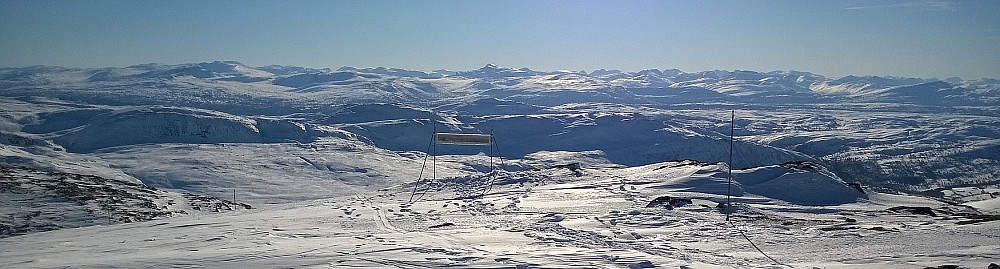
{"type": "Point", "coordinates": [462, 139]}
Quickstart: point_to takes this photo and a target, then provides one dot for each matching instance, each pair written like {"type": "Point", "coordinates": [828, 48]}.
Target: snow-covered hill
{"type": "Point", "coordinates": [36, 201]}
{"type": "Point", "coordinates": [293, 139]}
{"type": "Point", "coordinates": [634, 118]}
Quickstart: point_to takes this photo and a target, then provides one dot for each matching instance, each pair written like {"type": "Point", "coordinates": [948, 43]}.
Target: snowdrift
{"type": "Point", "coordinates": [800, 183]}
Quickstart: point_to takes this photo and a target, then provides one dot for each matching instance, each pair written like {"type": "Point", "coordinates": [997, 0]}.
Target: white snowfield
{"type": "Point", "coordinates": [138, 167]}
{"type": "Point", "coordinates": [548, 218]}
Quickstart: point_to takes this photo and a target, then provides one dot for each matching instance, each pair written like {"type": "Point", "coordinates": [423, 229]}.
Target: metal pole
{"type": "Point", "coordinates": [732, 131]}
{"type": "Point", "coordinates": [491, 151]}
{"type": "Point", "coordinates": [493, 172]}
{"type": "Point", "coordinates": [434, 152]}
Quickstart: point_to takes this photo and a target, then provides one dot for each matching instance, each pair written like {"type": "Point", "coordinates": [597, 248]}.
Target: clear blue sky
{"type": "Point", "coordinates": [834, 38]}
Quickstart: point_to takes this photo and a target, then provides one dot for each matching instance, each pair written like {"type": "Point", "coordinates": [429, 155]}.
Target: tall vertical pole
{"type": "Point", "coordinates": [434, 160]}
{"type": "Point", "coordinates": [491, 151]}
{"type": "Point", "coordinates": [732, 131]}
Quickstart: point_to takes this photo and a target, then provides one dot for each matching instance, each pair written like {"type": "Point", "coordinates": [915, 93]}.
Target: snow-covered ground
{"type": "Point", "coordinates": [114, 167]}
{"type": "Point", "coordinates": [546, 218]}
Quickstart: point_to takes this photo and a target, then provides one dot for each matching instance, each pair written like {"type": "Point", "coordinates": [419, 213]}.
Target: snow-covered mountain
{"type": "Point", "coordinates": [294, 138]}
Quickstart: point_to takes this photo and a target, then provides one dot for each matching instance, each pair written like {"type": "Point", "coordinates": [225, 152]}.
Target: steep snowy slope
{"type": "Point", "coordinates": [144, 125]}
{"type": "Point", "coordinates": [889, 150]}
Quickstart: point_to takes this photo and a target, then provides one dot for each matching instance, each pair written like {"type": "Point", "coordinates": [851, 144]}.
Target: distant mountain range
{"type": "Point", "coordinates": [893, 133]}
{"type": "Point", "coordinates": [733, 86]}
{"type": "Point", "coordinates": [220, 162]}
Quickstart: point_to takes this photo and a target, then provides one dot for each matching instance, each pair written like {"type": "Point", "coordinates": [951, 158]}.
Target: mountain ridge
{"type": "Point", "coordinates": [853, 124]}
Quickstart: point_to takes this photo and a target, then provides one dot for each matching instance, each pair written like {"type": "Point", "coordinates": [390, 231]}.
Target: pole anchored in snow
{"type": "Point", "coordinates": [434, 151]}
{"type": "Point", "coordinates": [468, 139]}
{"type": "Point", "coordinates": [729, 190]}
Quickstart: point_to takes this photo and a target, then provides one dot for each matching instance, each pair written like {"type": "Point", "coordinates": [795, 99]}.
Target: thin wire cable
{"type": "Point", "coordinates": [732, 132]}
{"type": "Point", "coordinates": [503, 166]}
{"type": "Point", "coordinates": [420, 177]}
{"type": "Point", "coordinates": [429, 186]}
{"type": "Point", "coordinates": [433, 182]}
{"type": "Point", "coordinates": [492, 175]}
{"type": "Point", "coordinates": [755, 245]}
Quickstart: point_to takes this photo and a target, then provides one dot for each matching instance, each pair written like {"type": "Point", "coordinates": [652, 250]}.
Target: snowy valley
{"type": "Point", "coordinates": [225, 165]}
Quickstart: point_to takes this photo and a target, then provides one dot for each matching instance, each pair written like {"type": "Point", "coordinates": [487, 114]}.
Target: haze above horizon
{"type": "Point", "coordinates": [833, 38]}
